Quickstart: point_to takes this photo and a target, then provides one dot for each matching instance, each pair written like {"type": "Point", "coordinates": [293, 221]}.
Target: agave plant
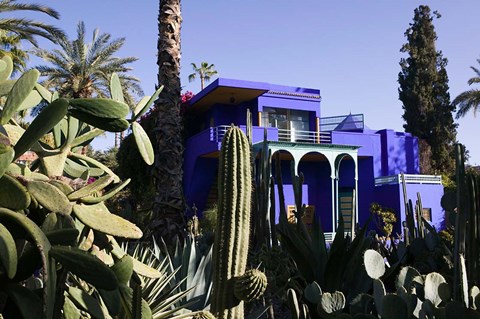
{"type": "Point", "coordinates": [188, 270]}
{"type": "Point", "coordinates": [179, 290]}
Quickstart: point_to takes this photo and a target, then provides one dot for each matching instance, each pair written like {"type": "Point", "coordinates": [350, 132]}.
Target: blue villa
{"type": "Point", "coordinates": [337, 155]}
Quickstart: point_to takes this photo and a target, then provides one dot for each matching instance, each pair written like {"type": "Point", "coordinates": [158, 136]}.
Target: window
{"type": "Point", "coordinates": [307, 218]}
{"type": "Point", "coordinates": [427, 214]}
{"type": "Point", "coordinates": [286, 119]}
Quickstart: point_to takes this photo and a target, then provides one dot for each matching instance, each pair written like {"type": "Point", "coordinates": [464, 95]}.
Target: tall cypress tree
{"type": "Point", "coordinates": [424, 93]}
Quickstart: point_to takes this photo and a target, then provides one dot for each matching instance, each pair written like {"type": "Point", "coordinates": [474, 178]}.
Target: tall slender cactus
{"type": "Point", "coordinates": [233, 226]}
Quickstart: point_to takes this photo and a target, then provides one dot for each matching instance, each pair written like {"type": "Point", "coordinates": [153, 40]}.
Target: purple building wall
{"type": "Point", "coordinates": [391, 196]}
{"type": "Point", "coordinates": [381, 153]}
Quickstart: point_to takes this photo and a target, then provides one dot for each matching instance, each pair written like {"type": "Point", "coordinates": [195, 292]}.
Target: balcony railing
{"type": "Point", "coordinates": [409, 179]}
{"type": "Point", "coordinates": [217, 133]}
{"type": "Point", "coordinates": [304, 136]}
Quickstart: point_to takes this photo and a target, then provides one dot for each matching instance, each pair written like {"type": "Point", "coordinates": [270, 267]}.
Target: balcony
{"type": "Point", "coordinates": [275, 134]}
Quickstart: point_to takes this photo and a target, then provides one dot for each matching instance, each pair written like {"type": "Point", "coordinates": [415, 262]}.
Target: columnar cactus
{"type": "Point", "coordinates": [233, 223]}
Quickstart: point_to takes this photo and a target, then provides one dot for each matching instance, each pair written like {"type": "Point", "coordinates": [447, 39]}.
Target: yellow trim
{"type": "Point", "coordinates": [259, 118]}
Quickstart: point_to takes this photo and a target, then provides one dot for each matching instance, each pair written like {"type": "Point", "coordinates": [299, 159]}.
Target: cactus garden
{"type": "Point", "coordinates": [83, 238]}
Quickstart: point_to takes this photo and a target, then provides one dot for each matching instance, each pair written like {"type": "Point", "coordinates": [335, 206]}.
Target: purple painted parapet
{"type": "Point", "coordinates": [389, 193]}
{"type": "Point", "coordinates": [206, 144]}
{"type": "Point", "coordinates": [392, 152]}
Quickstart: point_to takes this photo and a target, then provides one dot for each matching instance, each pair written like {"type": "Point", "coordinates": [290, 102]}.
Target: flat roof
{"type": "Point", "coordinates": [233, 92]}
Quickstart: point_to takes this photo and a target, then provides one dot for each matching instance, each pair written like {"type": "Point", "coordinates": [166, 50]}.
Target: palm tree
{"type": "Point", "coordinates": [10, 44]}
{"type": "Point", "coordinates": [205, 72]}
{"type": "Point", "coordinates": [28, 29]}
{"type": "Point", "coordinates": [469, 99]}
{"type": "Point", "coordinates": [169, 204]}
{"type": "Point", "coordinates": [14, 30]}
{"type": "Point", "coordinates": [82, 70]}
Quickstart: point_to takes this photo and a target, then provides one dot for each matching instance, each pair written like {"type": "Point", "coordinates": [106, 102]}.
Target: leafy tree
{"type": "Point", "coordinates": [424, 93]}
{"type": "Point", "coordinates": [205, 72]}
{"type": "Point", "coordinates": [82, 70]}
{"type": "Point", "coordinates": [14, 30]}
{"type": "Point", "coordinates": [169, 205]}
{"type": "Point", "coordinates": [469, 100]}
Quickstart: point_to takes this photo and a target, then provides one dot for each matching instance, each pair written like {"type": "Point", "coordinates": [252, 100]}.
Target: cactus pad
{"type": "Point", "coordinates": [7, 154]}
{"type": "Point", "coordinates": [107, 124]}
{"type": "Point", "coordinates": [378, 294]}
{"type": "Point", "coordinates": [123, 269]}
{"type": "Point", "coordinates": [313, 292]}
{"type": "Point", "coordinates": [101, 107]}
{"type": "Point", "coordinates": [374, 264]}
{"type": "Point", "coordinates": [331, 303]}
{"type": "Point", "coordinates": [19, 92]}
{"type": "Point", "coordinates": [99, 218]}
{"type": "Point", "coordinates": [394, 307]}
{"type": "Point", "coordinates": [13, 195]}
{"type": "Point", "coordinates": [50, 197]}
{"type": "Point", "coordinates": [433, 281]}
{"type": "Point", "coordinates": [86, 302]}
{"type": "Point", "coordinates": [89, 189]}
{"type": "Point", "coordinates": [85, 266]}
{"type": "Point", "coordinates": [44, 122]}
{"type": "Point", "coordinates": [405, 277]}
{"type": "Point", "coordinates": [8, 252]}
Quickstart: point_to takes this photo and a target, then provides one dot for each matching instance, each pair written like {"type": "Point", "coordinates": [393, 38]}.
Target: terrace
{"type": "Point", "coordinates": [211, 138]}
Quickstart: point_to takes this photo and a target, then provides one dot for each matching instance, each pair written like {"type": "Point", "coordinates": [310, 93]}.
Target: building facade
{"type": "Point", "coordinates": [346, 166]}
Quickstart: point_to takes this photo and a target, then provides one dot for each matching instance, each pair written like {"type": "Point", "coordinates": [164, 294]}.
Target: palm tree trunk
{"type": "Point", "coordinates": [169, 204]}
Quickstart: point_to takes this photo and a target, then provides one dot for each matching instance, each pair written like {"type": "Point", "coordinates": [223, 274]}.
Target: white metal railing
{"type": "Point", "coordinates": [330, 236]}
{"type": "Point", "coordinates": [285, 135]}
{"type": "Point", "coordinates": [217, 133]}
{"type": "Point", "coordinates": [409, 179]}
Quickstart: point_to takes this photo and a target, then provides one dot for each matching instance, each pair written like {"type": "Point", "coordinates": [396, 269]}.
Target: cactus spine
{"type": "Point", "coordinates": [233, 223]}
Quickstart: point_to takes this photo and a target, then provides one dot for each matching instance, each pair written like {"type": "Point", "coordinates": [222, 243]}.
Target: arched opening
{"type": "Point", "coordinates": [284, 160]}
{"type": "Point", "coordinates": [346, 179]}
{"type": "Point", "coordinates": [317, 188]}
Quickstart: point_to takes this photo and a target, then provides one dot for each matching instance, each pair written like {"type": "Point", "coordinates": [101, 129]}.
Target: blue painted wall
{"type": "Point", "coordinates": [381, 153]}
{"type": "Point", "coordinates": [391, 196]}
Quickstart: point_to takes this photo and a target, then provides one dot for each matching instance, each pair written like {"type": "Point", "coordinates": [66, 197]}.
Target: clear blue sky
{"type": "Point", "coordinates": [348, 49]}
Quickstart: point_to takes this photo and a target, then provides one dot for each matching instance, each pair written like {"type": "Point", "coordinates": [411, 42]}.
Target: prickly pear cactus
{"type": "Point", "coordinates": [54, 226]}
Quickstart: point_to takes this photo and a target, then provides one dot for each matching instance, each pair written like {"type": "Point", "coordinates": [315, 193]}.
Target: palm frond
{"type": "Point", "coordinates": [80, 68]}
{"type": "Point", "coordinates": [466, 101]}
{"type": "Point", "coordinates": [9, 6]}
